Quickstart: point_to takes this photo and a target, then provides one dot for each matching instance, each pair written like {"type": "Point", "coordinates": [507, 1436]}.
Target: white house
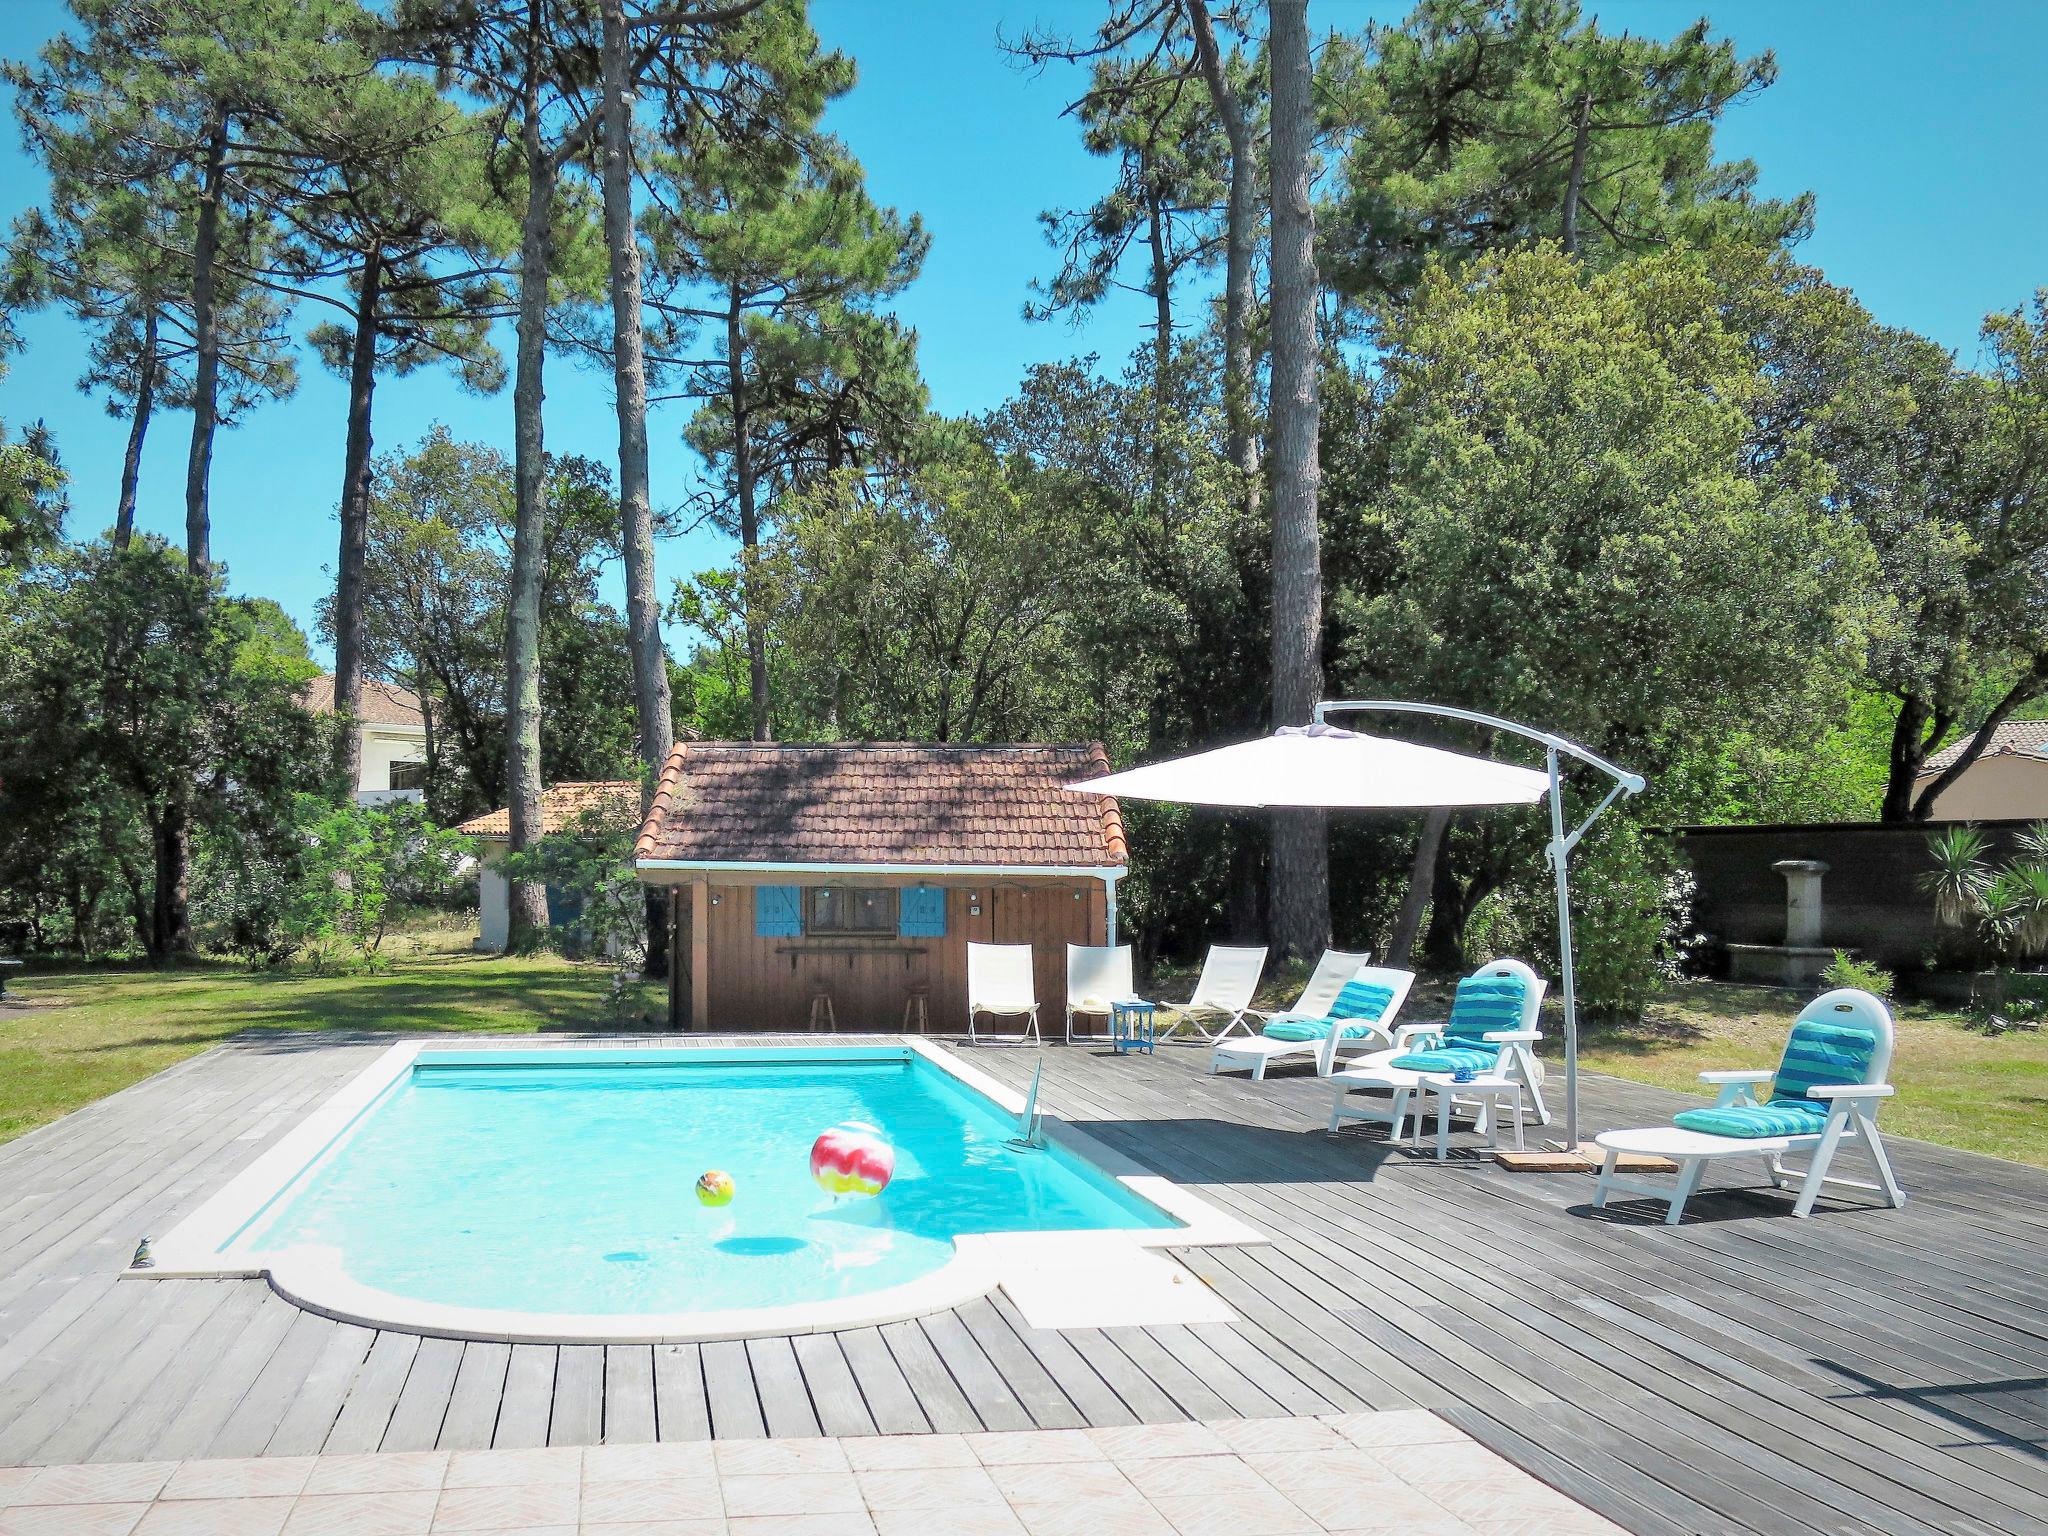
{"type": "Point", "coordinates": [491, 834]}
{"type": "Point", "coordinates": [393, 729]}
{"type": "Point", "coordinates": [2008, 782]}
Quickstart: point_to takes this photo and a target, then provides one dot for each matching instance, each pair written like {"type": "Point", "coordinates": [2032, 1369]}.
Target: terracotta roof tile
{"type": "Point", "coordinates": [561, 803]}
{"type": "Point", "coordinates": [730, 802]}
{"type": "Point", "coordinates": [383, 703]}
{"type": "Point", "coordinates": [2020, 738]}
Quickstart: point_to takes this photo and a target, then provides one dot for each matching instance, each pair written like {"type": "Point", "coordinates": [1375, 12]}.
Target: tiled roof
{"type": "Point", "coordinates": [383, 703]}
{"type": "Point", "coordinates": [738, 802]}
{"type": "Point", "coordinates": [562, 803]}
{"type": "Point", "coordinates": [2022, 738]}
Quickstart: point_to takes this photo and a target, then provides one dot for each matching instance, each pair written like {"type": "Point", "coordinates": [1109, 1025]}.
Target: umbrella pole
{"type": "Point", "coordinates": [1560, 853]}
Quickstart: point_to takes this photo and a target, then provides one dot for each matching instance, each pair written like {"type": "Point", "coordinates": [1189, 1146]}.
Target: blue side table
{"type": "Point", "coordinates": [1131, 1026]}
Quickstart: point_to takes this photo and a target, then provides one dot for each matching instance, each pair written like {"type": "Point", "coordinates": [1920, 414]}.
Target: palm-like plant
{"type": "Point", "coordinates": [2021, 894]}
{"type": "Point", "coordinates": [1960, 879]}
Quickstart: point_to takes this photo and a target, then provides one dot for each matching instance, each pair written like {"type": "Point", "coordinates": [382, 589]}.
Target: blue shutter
{"type": "Point", "coordinates": [778, 911]}
{"type": "Point", "coordinates": [921, 912]}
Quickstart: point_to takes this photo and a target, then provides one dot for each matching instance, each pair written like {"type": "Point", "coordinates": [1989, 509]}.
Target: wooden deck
{"type": "Point", "coordinates": [1864, 1372]}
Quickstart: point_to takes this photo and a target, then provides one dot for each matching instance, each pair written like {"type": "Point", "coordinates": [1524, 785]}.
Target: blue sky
{"type": "Point", "coordinates": [1919, 129]}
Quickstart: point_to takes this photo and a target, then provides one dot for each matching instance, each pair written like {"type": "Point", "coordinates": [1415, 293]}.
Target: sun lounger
{"type": "Point", "coordinates": [1824, 1093]}
{"type": "Point", "coordinates": [1347, 1004]}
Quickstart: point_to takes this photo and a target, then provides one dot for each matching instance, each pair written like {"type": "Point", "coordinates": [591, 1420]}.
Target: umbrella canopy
{"type": "Point", "coordinates": [1325, 767]}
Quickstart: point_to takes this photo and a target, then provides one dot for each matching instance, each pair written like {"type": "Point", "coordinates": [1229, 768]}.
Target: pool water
{"type": "Point", "coordinates": [557, 1186]}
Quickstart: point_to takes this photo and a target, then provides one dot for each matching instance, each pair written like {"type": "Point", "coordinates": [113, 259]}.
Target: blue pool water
{"type": "Point", "coordinates": [568, 1185]}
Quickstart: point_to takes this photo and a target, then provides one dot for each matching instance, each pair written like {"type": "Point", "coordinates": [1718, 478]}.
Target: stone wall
{"type": "Point", "coordinates": [1873, 900]}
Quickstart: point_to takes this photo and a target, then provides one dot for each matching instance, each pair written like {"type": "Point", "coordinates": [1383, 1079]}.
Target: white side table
{"type": "Point", "coordinates": [1490, 1089]}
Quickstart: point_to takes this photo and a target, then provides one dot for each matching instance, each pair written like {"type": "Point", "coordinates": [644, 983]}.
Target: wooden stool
{"type": "Point", "coordinates": [821, 1013]}
{"type": "Point", "coordinates": [917, 1007]}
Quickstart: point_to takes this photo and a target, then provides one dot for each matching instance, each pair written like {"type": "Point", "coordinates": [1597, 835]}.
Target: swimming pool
{"type": "Point", "coordinates": [537, 1192]}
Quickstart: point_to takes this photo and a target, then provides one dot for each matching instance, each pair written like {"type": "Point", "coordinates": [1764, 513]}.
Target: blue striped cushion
{"type": "Point", "coordinates": [1821, 1054]}
{"type": "Point", "coordinates": [1780, 1117]}
{"type": "Point", "coordinates": [1449, 1059]}
{"type": "Point", "coordinates": [1484, 1005]}
{"type": "Point", "coordinates": [1363, 1000]}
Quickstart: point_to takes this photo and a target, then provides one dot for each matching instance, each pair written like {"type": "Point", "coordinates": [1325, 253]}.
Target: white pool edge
{"type": "Point", "coordinates": [312, 1278]}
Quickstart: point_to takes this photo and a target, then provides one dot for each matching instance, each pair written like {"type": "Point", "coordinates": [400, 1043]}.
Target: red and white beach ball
{"type": "Point", "coordinates": [852, 1159]}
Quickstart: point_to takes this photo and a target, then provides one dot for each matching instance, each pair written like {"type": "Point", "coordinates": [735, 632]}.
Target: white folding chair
{"type": "Point", "coordinates": [1001, 983]}
{"type": "Point", "coordinates": [1230, 977]}
{"type": "Point", "coordinates": [1098, 975]}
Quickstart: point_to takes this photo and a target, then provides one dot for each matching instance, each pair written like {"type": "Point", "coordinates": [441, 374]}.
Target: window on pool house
{"type": "Point", "coordinates": [850, 910]}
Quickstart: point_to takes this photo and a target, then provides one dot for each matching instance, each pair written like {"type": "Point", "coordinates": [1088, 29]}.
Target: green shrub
{"type": "Point", "coordinates": [1845, 970]}
{"type": "Point", "coordinates": [1631, 919]}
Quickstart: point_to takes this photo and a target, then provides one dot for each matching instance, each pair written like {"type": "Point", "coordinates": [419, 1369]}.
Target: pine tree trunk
{"type": "Point", "coordinates": [750, 521]}
{"type": "Point", "coordinates": [636, 512]}
{"type": "Point", "coordinates": [170, 920]}
{"type": "Point", "coordinates": [206, 350]}
{"type": "Point", "coordinates": [1421, 875]}
{"type": "Point", "coordinates": [528, 902]}
{"type": "Point", "coordinates": [1239, 233]}
{"type": "Point", "coordinates": [629, 370]}
{"type": "Point", "coordinates": [1162, 345]}
{"type": "Point", "coordinates": [138, 429]}
{"type": "Point", "coordinates": [1300, 923]}
{"type": "Point", "coordinates": [429, 796]}
{"type": "Point", "coordinates": [1575, 183]}
{"type": "Point", "coordinates": [355, 523]}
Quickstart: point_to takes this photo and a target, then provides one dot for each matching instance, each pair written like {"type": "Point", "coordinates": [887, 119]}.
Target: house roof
{"type": "Point", "coordinates": [896, 803]}
{"type": "Point", "coordinates": [383, 703]}
{"type": "Point", "coordinates": [562, 803]}
{"type": "Point", "coordinates": [2014, 738]}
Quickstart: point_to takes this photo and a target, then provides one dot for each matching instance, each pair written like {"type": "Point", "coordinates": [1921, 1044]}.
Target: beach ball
{"type": "Point", "coordinates": [852, 1159]}
{"type": "Point", "coordinates": [714, 1188]}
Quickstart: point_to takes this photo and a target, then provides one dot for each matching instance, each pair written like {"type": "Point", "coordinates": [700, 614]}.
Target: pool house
{"type": "Point", "coordinates": [837, 886]}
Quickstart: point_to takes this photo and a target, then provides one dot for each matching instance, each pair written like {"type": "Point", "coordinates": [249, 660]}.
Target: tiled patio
{"type": "Point", "coordinates": [1405, 1471]}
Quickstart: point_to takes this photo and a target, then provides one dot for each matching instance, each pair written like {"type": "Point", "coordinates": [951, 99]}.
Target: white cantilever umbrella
{"type": "Point", "coordinates": [1322, 767]}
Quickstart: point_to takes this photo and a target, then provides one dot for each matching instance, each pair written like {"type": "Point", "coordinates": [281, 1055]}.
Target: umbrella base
{"type": "Point", "coordinates": [1585, 1158]}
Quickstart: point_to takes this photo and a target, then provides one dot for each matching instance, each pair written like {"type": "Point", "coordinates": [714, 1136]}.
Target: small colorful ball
{"type": "Point", "coordinates": [714, 1188]}
{"type": "Point", "coordinates": [852, 1159]}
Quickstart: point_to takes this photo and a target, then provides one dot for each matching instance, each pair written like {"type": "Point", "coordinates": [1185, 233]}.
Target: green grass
{"type": "Point", "coordinates": [86, 1033]}
{"type": "Point", "coordinates": [1956, 1085]}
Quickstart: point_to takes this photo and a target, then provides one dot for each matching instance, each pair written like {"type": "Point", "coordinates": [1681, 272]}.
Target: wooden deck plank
{"type": "Point", "coordinates": [939, 1397]}
{"type": "Point", "coordinates": [528, 1403]}
{"type": "Point", "coordinates": [834, 1393]}
{"type": "Point", "coordinates": [309, 1420]}
{"type": "Point", "coordinates": [994, 1403]}
{"type": "Point", "coordinates": [890, 1397]}
{"type": "Point", "coordinates": [779, 1385]}
{"type": "Point", "coordinates": [472, 1417]}
{"type": "Point", "coordinates": [629, 1394]}
{"type": "Point", "coordinates": [577, 1417]}
{"type": "Point", "coordinates": [423, 1400]}
{"type": "Point", "coordinates": [681, 1411]}
{"type": "Point", "coordinates": [729, 1390]}
{"type": "Point", "coordinates": [373, 1395]}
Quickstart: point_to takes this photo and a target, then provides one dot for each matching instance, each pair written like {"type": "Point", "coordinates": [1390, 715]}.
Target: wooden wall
{"type": "Point", "coordinates": [767, 983]}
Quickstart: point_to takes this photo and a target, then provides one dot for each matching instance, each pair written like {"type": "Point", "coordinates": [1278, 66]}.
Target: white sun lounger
{"type": "Point", "coordinates": [1333, 974]}
{"type": "Point", "coordinates": [1229, 979]}
{"type": "Point", "coordinates": [1000, 982]}
{"type": "Point", "coordinates": [1824, 1093]}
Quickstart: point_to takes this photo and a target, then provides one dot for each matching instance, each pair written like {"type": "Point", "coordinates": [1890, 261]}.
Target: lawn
{"type": "Point", "coordinates": [79, 1035]}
